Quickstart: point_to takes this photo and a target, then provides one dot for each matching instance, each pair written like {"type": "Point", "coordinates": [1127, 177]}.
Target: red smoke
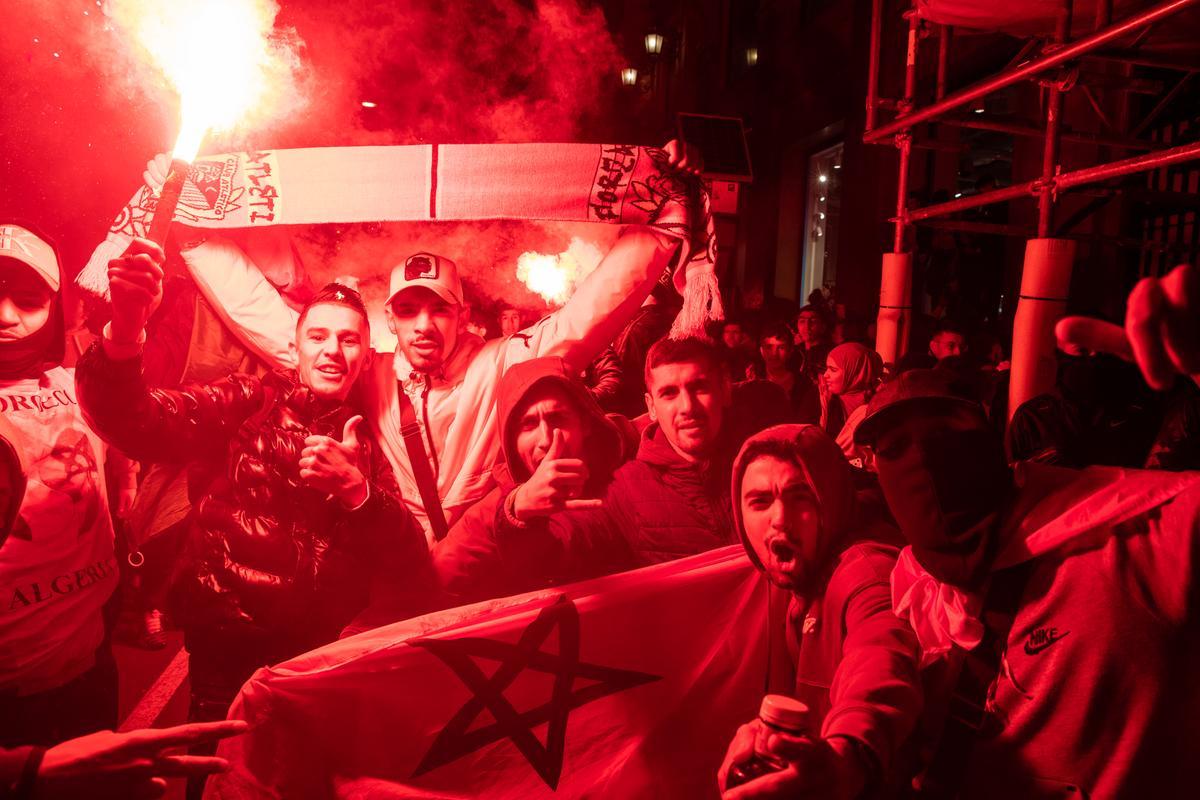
{"type": "Point", "coordinates": [486, 254]}
{"type": "Point", "coordinates": [76, 129]}
{"type": "Point", "coordinates": [470, 71]}
{"type": "Point", "coordinates": [467, 71]}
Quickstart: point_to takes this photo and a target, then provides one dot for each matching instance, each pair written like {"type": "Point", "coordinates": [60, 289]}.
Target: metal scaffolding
{"type": "Point", "coordinates": [1046, 274]}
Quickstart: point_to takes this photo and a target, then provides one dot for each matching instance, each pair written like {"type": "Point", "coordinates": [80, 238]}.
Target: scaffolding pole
{"type": "Point", "coordinates": [1048, 262]}
{"type": "Point", "coordinates": [1064, 181]}
{"type": "Point", "coordinates": [895, 292]}
{"type": "Point", "coordinates": [1074, 50]}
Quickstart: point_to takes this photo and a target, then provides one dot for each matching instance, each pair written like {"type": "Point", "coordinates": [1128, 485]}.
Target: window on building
{"type": "Point", "coordinates": [822, 210]}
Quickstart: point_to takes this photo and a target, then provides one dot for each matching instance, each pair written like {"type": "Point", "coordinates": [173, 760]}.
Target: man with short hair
{"type": "Point", "coordinates": [510, 321]}
{"type": "Point", "coordinates": [948, 340]}
{"type": "Point", "coordinates": [560, 449]}
{"type": "Point", "coordinates": [301, 513]}
{"type": "Point", "coordinates": [814, 334]}
{"type": "Point", "coordinates": [778, 353]}
{"type": "Point", "coordinates": [839, 648]}
{"type": "Point", "coordinates": [733, 335]}
{"type": "Point", "coordinates": [672, 499]}
{"type": "Point", "coordinates": [1067, 597]}
{"type": "Point", "coordinates": [738, 348]}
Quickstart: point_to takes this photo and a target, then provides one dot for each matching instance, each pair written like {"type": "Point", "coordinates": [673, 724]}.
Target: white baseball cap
{"type": "Point", "coordinates": [31, 250]}
{"type": "Point", "coordinates": [436, 273]}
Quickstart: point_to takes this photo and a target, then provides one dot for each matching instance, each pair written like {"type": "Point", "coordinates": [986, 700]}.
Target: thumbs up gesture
{"type": "Point", "coordinates": [334, 467]}
{"type": "Point", "coordinates": [555, 485]}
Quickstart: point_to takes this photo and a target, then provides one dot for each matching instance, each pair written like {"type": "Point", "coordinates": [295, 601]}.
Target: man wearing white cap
{"type": "Point", "coordinates": [57, 565]}
{"type": "Point", "coordinates": [433, 404]}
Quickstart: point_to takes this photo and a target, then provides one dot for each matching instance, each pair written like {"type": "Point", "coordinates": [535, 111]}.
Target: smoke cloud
{"type": "Point", "coordinates": [486, 254]}
{"type": "Point", "coordinates": [452, 71]}
{"type": "Point", "coordinates": [85, 111]}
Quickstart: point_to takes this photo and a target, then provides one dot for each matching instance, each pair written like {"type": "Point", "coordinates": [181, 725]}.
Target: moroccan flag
{"type": "Point", "coordinates": [625, 686]}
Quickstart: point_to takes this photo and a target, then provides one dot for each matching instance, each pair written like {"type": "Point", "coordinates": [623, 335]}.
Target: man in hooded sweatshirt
{"type": "Point", "coordinates": [843, 652]}
{"type": "Point", "coordinates": [549, 423]}
{"type": "Point", "coordinates": [672, 499]}
{"type": "Point", "coordinates": [1064, 600]}
{"type": "Point", "coordinates": [57, 564]}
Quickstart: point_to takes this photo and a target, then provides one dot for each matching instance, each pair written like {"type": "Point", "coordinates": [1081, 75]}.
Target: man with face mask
{"type": "Point", "coordinates": [848, 657]}
{"type": "Point", "coordinates": [1063, 601]}
{"type": "Point", "coordinates": [301, 513]}
{"type": "Point", "coordinates": [57, 563]}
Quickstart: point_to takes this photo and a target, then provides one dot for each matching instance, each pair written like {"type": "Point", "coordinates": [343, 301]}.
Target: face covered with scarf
{"type": "Point", "coordinates": [946, 479]}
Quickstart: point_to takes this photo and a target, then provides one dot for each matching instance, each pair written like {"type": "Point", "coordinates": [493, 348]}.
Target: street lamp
{"type": "Point", "coordinates": [751, 56]}
{"type": "Point", "coordinates": [629, 76]}
{"type": "Point", "coordinates": [654, 43]}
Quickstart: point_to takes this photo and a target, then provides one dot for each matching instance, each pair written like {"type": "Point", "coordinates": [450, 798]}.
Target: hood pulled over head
{"type": "Point", "coordinates": [825, 470]}
{"type": "Point", "coordinates": [605, 446]}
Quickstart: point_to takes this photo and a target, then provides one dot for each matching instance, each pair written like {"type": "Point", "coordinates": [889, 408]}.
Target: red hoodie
{"type": "Point", "coordinates": [854, 661]}
{"type": "Point", "coordinates": [470, 563]}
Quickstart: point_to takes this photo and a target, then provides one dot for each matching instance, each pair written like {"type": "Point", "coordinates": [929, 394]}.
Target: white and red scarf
{"type": "Point", "coordinates": [602, 183]}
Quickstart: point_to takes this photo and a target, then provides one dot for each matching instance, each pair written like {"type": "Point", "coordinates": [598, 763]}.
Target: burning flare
{"type": "Point", "coordinates": [220, 56]}
{"type": "Point", "coordinates": [554, 277]}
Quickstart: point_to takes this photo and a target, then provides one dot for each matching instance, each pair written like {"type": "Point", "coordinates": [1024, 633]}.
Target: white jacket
{"type": "Point", "coordinates": [461, 401]}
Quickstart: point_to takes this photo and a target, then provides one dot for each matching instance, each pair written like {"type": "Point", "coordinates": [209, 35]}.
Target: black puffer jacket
{"type": "Point", "coordinates": [263, 550]}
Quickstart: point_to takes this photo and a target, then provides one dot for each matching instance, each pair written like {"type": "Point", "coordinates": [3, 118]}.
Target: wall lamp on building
{"type": "Point", "coordinates": [751, 56]}
{"type": "Point", "coordinates": [654, 43]}
{"type": "Point", "coordinates": [629, 76]}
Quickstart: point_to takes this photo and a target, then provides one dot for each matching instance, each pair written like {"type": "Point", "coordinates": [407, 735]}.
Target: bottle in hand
{"type": "Point", "coordinates": [778, 714]}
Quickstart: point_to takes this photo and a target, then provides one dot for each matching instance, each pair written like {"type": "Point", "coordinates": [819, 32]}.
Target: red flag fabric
{"type": "Point", "coordinates": [625, 686]}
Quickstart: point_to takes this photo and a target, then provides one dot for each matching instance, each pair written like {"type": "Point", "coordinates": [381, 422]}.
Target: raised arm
{"type": "Point", "coordinates": [1162, 328]}
{"type": "Point", "coordinates": [609, 297]}
{"type": "Point", "coordinates": [246, 301]}
{"type": "Point", "coordinates": [605, 302]}
{"type": "Point", "coordinates": [245, 287]}
{"type": "Point", "coordinates": [160, 425]}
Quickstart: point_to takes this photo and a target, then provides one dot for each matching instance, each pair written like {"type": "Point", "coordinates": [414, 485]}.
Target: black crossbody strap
{"type": "Point", "coordinates": [410, 431]}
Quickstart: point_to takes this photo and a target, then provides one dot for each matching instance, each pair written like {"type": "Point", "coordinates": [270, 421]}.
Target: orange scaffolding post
{"type": "Point", "coordinates": [1046, 273]}
{"type": "Point", "coordinates": [1029, 69]}
{"type": "Point", "coordinates": [895, 295]}
{"type": "Point", "coordinates": [1047, 270]}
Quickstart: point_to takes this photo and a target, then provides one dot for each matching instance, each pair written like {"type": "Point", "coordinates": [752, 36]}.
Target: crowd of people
{"type": "Point", "coordinates": [961, 615]}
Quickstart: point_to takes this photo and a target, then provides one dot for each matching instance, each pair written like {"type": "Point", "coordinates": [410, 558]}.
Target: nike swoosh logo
{"type": "Point", "coordinates": [1034, 649]}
